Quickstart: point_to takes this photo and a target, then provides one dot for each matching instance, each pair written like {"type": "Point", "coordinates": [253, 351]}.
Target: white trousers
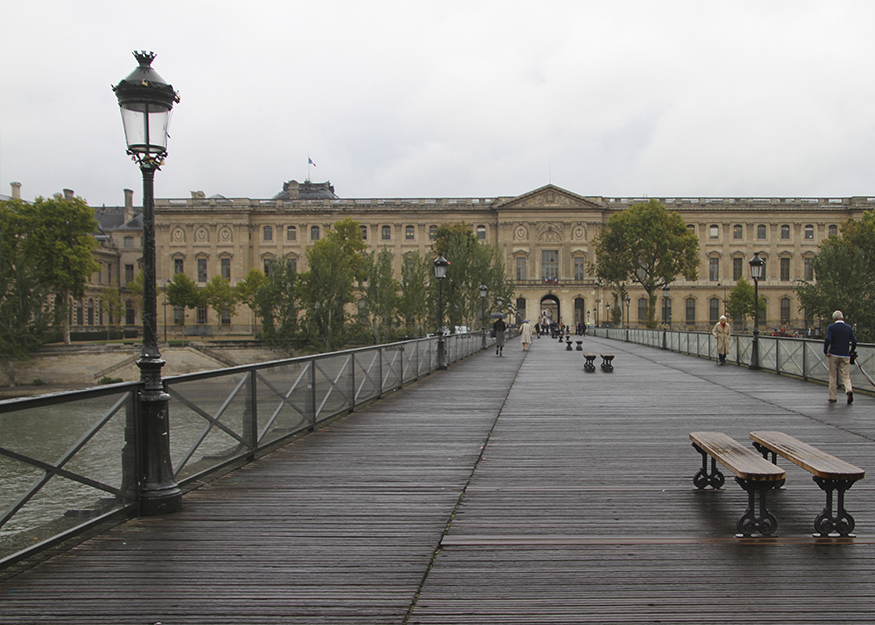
{"type": "Point", "coordinates": [839, 365]}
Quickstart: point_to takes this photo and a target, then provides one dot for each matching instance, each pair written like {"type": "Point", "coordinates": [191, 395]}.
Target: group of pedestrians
{"type": "Point", "coordinates": [499, 329]}
{"type": "Point", "coordinates": [839, 347]}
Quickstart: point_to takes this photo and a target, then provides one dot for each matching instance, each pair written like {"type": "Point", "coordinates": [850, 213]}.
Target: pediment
{"type": "Point", "coordinates": [551, 197]}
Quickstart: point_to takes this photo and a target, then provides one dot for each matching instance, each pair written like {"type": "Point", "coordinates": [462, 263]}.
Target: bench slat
{"type": "Point", "coordinates": [808, 457]}
{"type": "Point", "coordinates": [742, 461]}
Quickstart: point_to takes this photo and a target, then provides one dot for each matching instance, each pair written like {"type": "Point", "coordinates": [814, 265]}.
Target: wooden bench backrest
{"type": "Point", "coordinates": [808, 457]}
{"type": "Point", "coordinates": [742, 461]}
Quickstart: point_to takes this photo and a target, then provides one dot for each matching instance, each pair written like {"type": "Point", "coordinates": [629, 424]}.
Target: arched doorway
{"type": "Point", "coordinates": [549, 310]}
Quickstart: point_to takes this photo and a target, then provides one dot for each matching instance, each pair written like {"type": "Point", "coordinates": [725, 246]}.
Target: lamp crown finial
{"type": "Point", "coordinates": [144, 58]}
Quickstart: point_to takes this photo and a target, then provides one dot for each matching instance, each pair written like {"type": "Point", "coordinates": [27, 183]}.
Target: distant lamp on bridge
{"type": "Point", "coordinates": [145, 100]}
{"type": "Point", "coordinates": [484, 291]}
{"type": "Point", "coordinates": [757, 271]}
{"type": "Point", "coordinates": [440, 272]}
{"type": "Point", "coordinates": [666, 313]}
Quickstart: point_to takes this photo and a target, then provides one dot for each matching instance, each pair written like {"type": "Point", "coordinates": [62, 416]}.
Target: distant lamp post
{"type": "Point", "coordinates": [595, 312]}
{"type": "Point", "coordinates": [166, 284]}
{"type": "Point", "coordinates": [666, 314]}
{"type": "Point", "coordinates": [145, 100]}
{"type": "Point", "coordinates": [757, 269]}
{"type": "Point", "coordinates": [484, 291]}
{"type": "Point", "coordinates": [628, 301]}
{"type": "Point", "coordinates": [607, 312]}
{"type": "Point", "coordinates": [440, 272]}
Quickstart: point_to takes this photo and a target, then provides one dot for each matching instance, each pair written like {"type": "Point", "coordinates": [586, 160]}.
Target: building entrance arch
{"type": "Point", "coordinates": [549, 310]}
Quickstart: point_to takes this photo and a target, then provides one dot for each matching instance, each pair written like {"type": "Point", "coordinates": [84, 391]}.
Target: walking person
{"type": "Point", "coordinates": [838, 345]}
{"type": "Point", "coordinates": [722, 332]}
{"type": "Point", "coordinates": [526, 334]}
{"type": "Point", "coordinates": [499, 327]}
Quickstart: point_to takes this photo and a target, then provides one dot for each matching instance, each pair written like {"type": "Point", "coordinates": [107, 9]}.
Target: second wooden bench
{"type": "Point", "coordinates": [829, 472]}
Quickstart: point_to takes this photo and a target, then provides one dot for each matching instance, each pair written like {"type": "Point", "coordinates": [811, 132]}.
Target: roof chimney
{"type": "Point", "coordinates": [16, 190]}
{"type": "Point", "coordinates": [68, 194]}
{"type": "Point", "coordinates": [129, 205]}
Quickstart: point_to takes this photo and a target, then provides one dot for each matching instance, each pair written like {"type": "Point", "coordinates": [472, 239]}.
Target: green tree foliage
{"type": "Point", "coordinates": [647, 244]}
{"type": "Point", "coordinates": [111, 301]}
{"type": "Point", "coordinates": [335, 266]}
{"type": "Point", "coordinates": [413, 300]}
{"type": "Point", "coordinates": [472, 263]}
{"type": "Point", "coordinates": [219, 295]}
{"type": "Point", "coordinates": [845, 281]}
{"type": "Point", "coordinates": [182, 292]}
{"type": "Point", "coordinates": [48, 249]}
{"type": "Point", "coordinates": [380, 296]}
{"type": "Point", "coordinates": [275, 302]}
{"type": "Point", "coordinates": [249, 286]}
{"type": "Point", "coordinates": [740, 302]}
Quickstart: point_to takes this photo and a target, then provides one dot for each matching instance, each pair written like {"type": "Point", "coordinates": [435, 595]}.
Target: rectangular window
{"type": "Point", "coordinates": [364, 230]}
{"type": "Point", "coordinates": [268, 233]}
{"type": "Point", "coordinates": [386, 233]}
{"type": "Point", "coordinates": [761, 231]}
{"type": "Point", "coordinates": [785, 269]}
{"type": "Point", "coordinates": [737, 232]}
{"type": "Point", "coordinates": [521, 268]}
{"type": "Point", "coordinates": [550, 265]}
{"type": "Point", "coordinates": [314, 233]}
{"type": "Point", "coordinates": [691, 311]}
{"type": "Point", "coordinates": [291, 233]}
{"type": "Point", "coordinates": [177, 265]}
{"type": "Point", "coordinates": [785, 232]}
{"type": "Point", "coordinates": [713, 269]}
{"type": "Point", "coordinates": [737, 269]}
{"type": "Point", "coordinates": [201, 269]}
{"type": "Point", "coordinates": [226, 317]}
{"type": "Point", "coordinates": [808, 268]}
{"type": "Point", "coordinates": [130, 313]}
{"type": "Point", "coordinates": [785, 311]}
{"type": "Point", "coordinates": [714, 310]}
{"type": "Point", "coordinates": [642, 310]}
{"type": "Point", "coordinates": [408, 233]}
{"type": "Point", "coordinates": [226, 269]}
{"type": "Point", "coordinates": [129, 273]}
{"type": "Point", "coordinates": [714, 232]}
{"type": "Point", "coordinates": [202, 315]}
{"type": "Point", "coordinates": [579, 268]}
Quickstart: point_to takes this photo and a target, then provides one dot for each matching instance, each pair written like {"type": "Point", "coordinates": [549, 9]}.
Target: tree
{"type": "Point", "coordinates": [740, 302]}
{"type": "Point", "coordinates": [111, 300]}
{"type": "Point", "coordinates": [219, 295]}
{"type": "Point", "coordinates": [649, 245]}
{"type": "Point", "coordinates": [472, 263]}
{"type": "Point", "coordinates": [275, 302]}
{"type": "Point", "coordinates": [844, 282]}
{"type": "Point", "coordinates": [25, 315]}
{"type": "Point", "coordinates": [182, 292]}
{"type": "Point", "coordinates": [380, 296]}
{"type": "Point", "coordinates": [60, 244]}
{"type": "Point", "coordinates": [413, 298]}
{"type": "Point", "coordinates": [336, 264]}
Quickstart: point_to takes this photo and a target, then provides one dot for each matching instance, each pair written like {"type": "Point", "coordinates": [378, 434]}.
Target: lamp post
{"type": "Point", "coordinates": [145, 100]}
{"type": "Point", "coordinates": [596, 312]}
{"type": "Point", "coordinates": [440, 272]}
{"type": "Point", "coordinates": [166, 284]}
{"type": "Point", "coordinates": [484, 290]}
{"type": "Point", "coordinates": [757, 268]}
{"type": "Point", "coordinates": [607, 312]}
{"type": "Point", "coordinates": [628, 301]}
{"type": "Point", "coordinates": [666, 314]}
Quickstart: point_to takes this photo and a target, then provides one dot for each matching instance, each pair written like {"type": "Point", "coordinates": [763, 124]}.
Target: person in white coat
{"type": "Point", "coordinates": [722, 332]}
{"type": "Point", "coordinates": [526, 334]}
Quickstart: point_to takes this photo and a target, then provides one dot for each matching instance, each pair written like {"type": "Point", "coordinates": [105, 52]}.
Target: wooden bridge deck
{"type": "Point", "coordinates": [505, 490]}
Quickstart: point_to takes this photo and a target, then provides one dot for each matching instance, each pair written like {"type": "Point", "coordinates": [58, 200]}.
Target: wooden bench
{"type": "Point", "coordinates": [607, 362]}
{"type": "Point", "coordinates": [829, 472]}
{"type": "Point", "coordinates": [753, 473]}
{"type": "Point", "coordinates": [568, 344]}
{"type": "Point", "coordinates": [580, 346]}
{"type": "Point", "coordinates": [589, 365]}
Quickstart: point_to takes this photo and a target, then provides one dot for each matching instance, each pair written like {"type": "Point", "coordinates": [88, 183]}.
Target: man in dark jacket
{"type": "Point", "coordinates": [840, 342]}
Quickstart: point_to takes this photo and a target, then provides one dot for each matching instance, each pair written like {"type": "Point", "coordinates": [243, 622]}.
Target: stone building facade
{"type": "Point", "coordinates": [546, 235]}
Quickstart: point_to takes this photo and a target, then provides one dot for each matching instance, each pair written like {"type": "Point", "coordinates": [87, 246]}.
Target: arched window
{"type": "Point", "coordinates": [408, 233]}
{"type": "Point", "coordinates": [761, 231]}
{"type": "Point", "coordinates": [481, 233]}
{"type": "Point", "coordinates": [785, 231]}
{"type": "Point", "coordinates": [291, 233]}
{"type": "Point", "coordinates": [714, 231]}
{"type": "Point", "coordinates": [386, 233]}
{"type": "Point", "coordinates": [833, 231]}
{"type": "Point", "coordinates": [364, 230]}
{"type": "Point", "coordinates": [713, 310]}
{"type": "Point", "coordinates": [432, 231]}
{"type": "Point", "coordinates": [809, 231]}
{"type": "Point", "coordinates": [314, 233]}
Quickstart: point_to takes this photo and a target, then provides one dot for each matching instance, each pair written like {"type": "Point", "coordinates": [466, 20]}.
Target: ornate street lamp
{"type": "Point", "coordinates": [440, 272]}
{"type": "Point", "coordinates": [757, 269]}
{"type": "Point", "coordinates": [484, 290]}
{"type": "Point", "coordinates": [596, 312]}
{"type": "Point", "coordinates": [607, 312]}
{"type": "Point", "coordinates": [145, 100]}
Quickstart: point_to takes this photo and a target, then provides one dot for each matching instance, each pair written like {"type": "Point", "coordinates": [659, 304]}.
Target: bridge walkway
{"type": "Point", "coordinates": [515, 489]}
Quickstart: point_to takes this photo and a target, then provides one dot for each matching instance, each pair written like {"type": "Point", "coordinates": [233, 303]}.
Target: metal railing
{"type": "Point", "coordinates": [70, 460]}
{"type": "Point", "coordinates": [786, 355]}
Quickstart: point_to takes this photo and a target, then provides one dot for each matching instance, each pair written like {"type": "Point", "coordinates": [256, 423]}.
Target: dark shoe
{"type": "Point", "coordinates": [851, 397]}
{"type": "Point", "coordinates": [832, 401]}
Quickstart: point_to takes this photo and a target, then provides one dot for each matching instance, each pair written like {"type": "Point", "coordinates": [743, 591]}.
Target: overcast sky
{"type": "Point", "coordinates": [445, 98]}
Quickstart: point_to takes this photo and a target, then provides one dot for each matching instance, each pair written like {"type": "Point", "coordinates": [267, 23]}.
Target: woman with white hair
{"type": "Point", "coordinates": [722, 332]}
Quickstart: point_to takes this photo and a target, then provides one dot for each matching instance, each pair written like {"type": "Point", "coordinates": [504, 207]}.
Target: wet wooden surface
{"type": "Point", "coordinates": [514, 489]}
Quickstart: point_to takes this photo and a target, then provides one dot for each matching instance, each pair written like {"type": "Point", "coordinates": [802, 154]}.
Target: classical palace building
{"type": "Point", "coordinates": [546, 235]}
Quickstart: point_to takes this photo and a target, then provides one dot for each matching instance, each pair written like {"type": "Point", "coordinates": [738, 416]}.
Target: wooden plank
{"type": "Point", "coordinates": [742, 461]}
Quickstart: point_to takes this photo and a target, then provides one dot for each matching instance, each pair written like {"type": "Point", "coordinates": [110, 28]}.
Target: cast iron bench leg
{"type": "Point", "coordinates": [704, 478]}
{"type": "Point", "coordinates": [749, 523]}
{"type": "Point", "coordinates": [842, 522]}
